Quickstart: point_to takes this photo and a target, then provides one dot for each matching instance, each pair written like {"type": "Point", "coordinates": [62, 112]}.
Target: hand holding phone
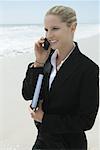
{"type": "Point", "coordinates": [42, 51]}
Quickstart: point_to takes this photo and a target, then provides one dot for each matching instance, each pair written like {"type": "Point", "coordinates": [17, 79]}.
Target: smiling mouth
{"type": "Point", "coordinates": [53, 42]}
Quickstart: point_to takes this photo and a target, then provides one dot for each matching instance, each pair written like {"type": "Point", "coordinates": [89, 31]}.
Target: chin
{"type": "Point", "coordinates": [54, 47]}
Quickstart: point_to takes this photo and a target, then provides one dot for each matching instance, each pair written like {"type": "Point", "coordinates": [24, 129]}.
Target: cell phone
{"type": "Point", "coordinates": [46, 44]}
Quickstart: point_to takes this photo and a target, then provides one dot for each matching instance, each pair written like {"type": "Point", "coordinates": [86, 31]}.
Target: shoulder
{"type": "Point", "coordinates": [87, 63]}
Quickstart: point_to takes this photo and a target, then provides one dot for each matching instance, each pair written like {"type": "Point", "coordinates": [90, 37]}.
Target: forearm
{"type": "Point", "coordinates": [30, 80]}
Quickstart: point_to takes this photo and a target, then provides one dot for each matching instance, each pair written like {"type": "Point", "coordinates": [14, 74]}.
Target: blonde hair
{"type": "Point", "coordinates": [66, 14]}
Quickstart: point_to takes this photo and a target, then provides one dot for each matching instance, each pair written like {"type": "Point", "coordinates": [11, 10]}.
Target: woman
{"type": "Point", "coordinates": [69, 95]}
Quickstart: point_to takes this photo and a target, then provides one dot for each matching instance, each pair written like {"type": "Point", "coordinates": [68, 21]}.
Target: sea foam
{"type": "Point", "coordinates": [19, 39]}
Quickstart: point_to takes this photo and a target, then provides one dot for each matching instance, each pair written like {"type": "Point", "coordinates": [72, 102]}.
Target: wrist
{"type": "Point", "coordinates": [38, 64]}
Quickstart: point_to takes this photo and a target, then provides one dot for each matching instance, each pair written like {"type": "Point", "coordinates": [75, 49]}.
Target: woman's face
{"type": "Point", "coordinates": [57, 32]}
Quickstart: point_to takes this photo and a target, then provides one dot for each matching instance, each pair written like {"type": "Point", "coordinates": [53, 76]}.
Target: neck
{"type": "Point", "coordinates": [63, 53]}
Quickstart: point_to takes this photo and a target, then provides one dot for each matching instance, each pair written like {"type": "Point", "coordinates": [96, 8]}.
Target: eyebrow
{"type": "Point", "coordinates": [52, 27]}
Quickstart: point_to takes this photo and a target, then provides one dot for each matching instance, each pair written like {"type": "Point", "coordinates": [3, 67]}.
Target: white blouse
{"type": "Point", "coordinates": [56, 68]}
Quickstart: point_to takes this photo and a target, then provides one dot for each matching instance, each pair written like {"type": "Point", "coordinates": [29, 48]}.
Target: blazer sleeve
{"type": "Point", "coordinates": [89, 101]}
{"type": "Point", "coordinates": [29, 83]}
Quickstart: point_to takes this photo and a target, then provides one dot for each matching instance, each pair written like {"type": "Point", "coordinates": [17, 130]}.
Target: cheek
{"type": "Point", "coordinates": [67, 36]}
{"type": "Point", "coordinates": [64, 36]}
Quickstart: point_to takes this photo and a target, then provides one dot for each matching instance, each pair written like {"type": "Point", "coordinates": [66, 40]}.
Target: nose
{"type": "Point", "coordinates": [49, 35]}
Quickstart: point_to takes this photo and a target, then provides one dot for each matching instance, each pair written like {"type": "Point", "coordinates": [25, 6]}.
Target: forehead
{"type": "Point", "coordinates": [52, 20]}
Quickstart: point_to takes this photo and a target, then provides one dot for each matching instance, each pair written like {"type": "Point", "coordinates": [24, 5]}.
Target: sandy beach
{"type": "Point", "coordinates": [17, 129]}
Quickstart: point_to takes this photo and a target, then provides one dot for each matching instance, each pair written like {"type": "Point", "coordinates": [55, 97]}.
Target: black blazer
{"type": "Point", "coordinates": [71, 105]}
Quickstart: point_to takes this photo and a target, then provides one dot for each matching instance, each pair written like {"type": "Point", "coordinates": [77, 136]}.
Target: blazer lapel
{"type": "Point", "coordinates": [67, 69]}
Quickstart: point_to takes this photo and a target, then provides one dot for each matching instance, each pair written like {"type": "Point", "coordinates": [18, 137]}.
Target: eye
{"type": "Point", "coordinates": [55, 28]}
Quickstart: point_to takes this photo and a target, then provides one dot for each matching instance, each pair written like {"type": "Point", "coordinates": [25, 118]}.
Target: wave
{"type": "Point", "coordinates": [19, 39]}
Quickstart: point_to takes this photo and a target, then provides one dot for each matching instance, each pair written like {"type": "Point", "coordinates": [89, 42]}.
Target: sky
{"type": "Point", "coordinates": [33, 11]}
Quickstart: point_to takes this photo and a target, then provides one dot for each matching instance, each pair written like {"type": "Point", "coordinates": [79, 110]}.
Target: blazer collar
{"type": "Point", "coordinates": [66, 69]}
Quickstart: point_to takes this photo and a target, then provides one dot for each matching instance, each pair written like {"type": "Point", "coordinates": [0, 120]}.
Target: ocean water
{"type": "Point", "coordinates": [19, 39]}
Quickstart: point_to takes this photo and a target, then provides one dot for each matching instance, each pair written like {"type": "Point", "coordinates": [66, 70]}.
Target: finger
{"type": "Point", "coordinates": [31, 111]}
{"type": "Point", "coordinates": [41, 41]}
{"type": "Point", "coordinates": [37, 108]}
{"type": "Point", "coordinates": [42, 38]}
{"type": "Point", "coordinates": [37, 44]}
{"type": "Point", "coordinates": [32, 114]}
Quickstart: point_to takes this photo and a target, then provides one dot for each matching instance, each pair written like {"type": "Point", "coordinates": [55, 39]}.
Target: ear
{"type": "Point", "coordinates": [73, 27]}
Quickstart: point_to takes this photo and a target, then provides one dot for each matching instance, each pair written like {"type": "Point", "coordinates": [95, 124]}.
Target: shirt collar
{"type": "Point", "coordinates": [54, 56]}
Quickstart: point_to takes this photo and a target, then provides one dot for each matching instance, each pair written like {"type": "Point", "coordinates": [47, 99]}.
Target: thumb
{"type": "Point", "coordinates": [31, 111]}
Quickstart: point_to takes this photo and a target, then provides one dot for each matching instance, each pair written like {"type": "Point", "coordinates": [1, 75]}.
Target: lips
{"type": "Point", "coordinates": [53, 41]}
